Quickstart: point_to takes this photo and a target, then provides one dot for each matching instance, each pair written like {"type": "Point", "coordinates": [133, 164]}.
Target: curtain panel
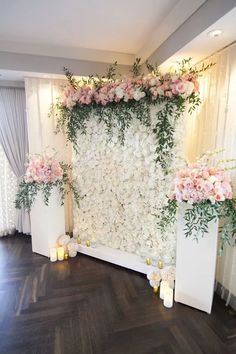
{"type": "Point", "coordinates": [213, 126]}
{"type": "Point", "coordinates": [14, 140]}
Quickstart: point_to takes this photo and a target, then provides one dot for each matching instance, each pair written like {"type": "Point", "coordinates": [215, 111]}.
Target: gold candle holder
{"type": "Point", "coordinates": [78, 240]}
{"type": "Point", "coordinates": [66, 256]}
{"type": "Point", "coordinates": [88, 243]}
{"type": "Point", "coordinates": [160, 265]}
{"type": "Point", "coordinates": [155, 289]}
{"type": "Point", "coordinates": [148, 261]}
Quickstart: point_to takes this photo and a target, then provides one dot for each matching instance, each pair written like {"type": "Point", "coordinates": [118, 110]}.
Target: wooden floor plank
{"type": "Point", "coordinates": [86, 306]}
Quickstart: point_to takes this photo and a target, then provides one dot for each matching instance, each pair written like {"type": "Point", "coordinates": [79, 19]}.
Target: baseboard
{"type": "Point", "coordinates": [118, 257]}
{"type": "Point", "coordinates": [224, 293]}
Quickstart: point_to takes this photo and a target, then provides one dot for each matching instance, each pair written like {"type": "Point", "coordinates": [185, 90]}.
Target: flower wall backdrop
{"type": "Point", "coordinates": [124, 132]}
{"type": "Point", "coordinates": [123, 189]}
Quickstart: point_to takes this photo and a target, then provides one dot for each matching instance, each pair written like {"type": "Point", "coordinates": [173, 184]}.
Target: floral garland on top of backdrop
{"type": "Point", "coordinates": [116, 102]}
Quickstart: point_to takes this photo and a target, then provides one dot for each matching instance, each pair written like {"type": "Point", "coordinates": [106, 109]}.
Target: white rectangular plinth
{"type": "Point", "coordinates": [118, 257]}
{"type": "Point", "coordinates": [47, 223]}
{"type": "Point", "coordinates": [195, 265]}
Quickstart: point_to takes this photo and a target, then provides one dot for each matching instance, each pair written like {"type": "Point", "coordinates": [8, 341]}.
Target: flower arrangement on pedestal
{"type": "Point", "coordinates": [205, 185]}
{"type": "Point", "coordinates": [44, 172]}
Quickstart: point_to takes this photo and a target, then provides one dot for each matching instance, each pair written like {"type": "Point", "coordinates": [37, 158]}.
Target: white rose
{"type": "Point", "coordinates": [119, 92]}
{"type": "Point", "coordinates": [138, 95]}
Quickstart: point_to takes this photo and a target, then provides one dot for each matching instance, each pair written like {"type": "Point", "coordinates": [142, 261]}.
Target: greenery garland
{"type": "Point", "coordinates": [73, 119]}
{"type": "Point", "coordinates": [198, 217]}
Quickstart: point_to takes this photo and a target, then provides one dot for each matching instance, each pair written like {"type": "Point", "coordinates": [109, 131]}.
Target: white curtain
{"type": "Point", "coordinates": [8, 187]}
{"type": "Point", "coordinates": [212, 127]}
{"type": "Point", "coordinates": [14, 140]}
{"type": "Point", "coordinates": [40, 94]}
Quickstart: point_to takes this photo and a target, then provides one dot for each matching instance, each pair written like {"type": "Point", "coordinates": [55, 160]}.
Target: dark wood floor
{"type": "Point", "coordinates": [87, 306]}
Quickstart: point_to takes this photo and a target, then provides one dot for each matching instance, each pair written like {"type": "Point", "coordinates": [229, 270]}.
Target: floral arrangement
{"type": "Point", "coordinates": [154, 278]}
{"type": "Point", "coordinates": [167, 274]}
{"type": "Point", "coordinates": [69, 244]}
{"type": "Point", "coordinates": [117, 101]}
{"type": "Point", "coordinates": [205, 185]}
{"type": "Point", "coordinates": [43, 173]}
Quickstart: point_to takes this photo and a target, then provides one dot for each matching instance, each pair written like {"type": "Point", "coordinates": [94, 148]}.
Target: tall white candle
{"type": "Point", "coordinates": [60, 253]}
{"type": "Point", "coordinates": [171, 283]}
{"type": "Point", "coordinates": [53, 254]}
{"type": "Point", "coordinates": [163, 287]}
{"type": "Point", "coordinates": [168, 297]}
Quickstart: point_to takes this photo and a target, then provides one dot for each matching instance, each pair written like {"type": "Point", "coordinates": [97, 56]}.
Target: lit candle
{"type": "Point", "coordinates": [66, 256]}
{"type": "Point", "coordinates": [53, 254]}
{"type": "Point", "coordinates": [78, 240]}
{"type": "Point", "coordinates": [160, 264]}
{"type": "Point", "coordinates": [148, 261]}
{"type": "Point", "coordinates": [88, 243]}
{"type": "Point", "coordinates": [155, 289]}
{"type": "Point", "coordinates": [60, 253]}
{"type": "Point", "coordinates": [168, 297]}
{"type": "Point", "coordinates": [163, 287]}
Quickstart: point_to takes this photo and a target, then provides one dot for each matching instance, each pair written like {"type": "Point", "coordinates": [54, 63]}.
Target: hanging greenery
{"type": "Point", "coordinates": [117, 101]}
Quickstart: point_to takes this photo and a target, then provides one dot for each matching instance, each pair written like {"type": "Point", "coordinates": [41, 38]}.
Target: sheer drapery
{"type": "Point", "coordinates": [8, 187]}
{"type": "Point", "coordinates": [40, 94]}
{"type": "Point", "coordinates": [14, 140]}
{"type": "Point", "coordinates": [214, 127]}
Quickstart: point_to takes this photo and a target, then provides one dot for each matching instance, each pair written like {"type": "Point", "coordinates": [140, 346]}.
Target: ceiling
{"type": "Point", "coordinates": [203, 45]}
{"type": "Point", "coordinates": [102, 31]}
{"type": "Point", "coordinates": [90, 29]}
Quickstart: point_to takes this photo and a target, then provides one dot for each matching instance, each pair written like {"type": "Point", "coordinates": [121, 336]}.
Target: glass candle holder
{"type": "Point", "coordinates": [53, 254]}
{"type": "Point", "coordinates": [155, 289]}
{"type": "Point", "coordinates": [160, 264]}
{"type": "Point", "coordinates": [148, 261]}
{"type": "Point", "coordinates": [94, 242]}
{"type": "Point", "coordinates": [155, 260]}
{"type": "Point", "coordinates": [60, 253]}
{"type": "Point", "coordinates": [78, 240]}
{"type": "Point", "coordinates": [88, 243]}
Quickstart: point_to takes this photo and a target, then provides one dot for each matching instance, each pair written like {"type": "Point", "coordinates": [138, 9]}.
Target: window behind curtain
{"type": "Point", "coordinates": [8, 186]}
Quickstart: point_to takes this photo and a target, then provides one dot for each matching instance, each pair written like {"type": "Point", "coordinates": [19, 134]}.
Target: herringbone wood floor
{"type": "Point", "coordinates": [86, 306]}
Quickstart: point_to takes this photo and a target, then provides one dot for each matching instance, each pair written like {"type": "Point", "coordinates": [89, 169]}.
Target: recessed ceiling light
{"type": "Point", "coordinates": [215, 33]}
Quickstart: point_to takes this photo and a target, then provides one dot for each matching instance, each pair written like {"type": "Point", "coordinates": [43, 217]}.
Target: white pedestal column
{"type": "Point", "coordinates": [195, 265]}
{"type": "Point", "coordinates": [47, 223]}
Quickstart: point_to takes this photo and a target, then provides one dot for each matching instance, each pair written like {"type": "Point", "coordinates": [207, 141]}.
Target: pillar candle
{"type": "Point", "coordinates": [53, 254]}
{"type": "Point", "coordinates": [168, 297]}
{"type": "Point", "coordinates": [171, 283]}
{"type": "Point", "coordinates": [163, 287]}
{"type": "Point", "coordinates": [60, 253]}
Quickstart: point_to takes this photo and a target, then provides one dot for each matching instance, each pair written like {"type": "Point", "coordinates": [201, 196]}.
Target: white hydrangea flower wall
{"type": "Point", "coordinates": [122, 190]}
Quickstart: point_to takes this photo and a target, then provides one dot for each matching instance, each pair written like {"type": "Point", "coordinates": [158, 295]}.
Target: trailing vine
{"type": "Point", "coordinates": [116, 102]}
